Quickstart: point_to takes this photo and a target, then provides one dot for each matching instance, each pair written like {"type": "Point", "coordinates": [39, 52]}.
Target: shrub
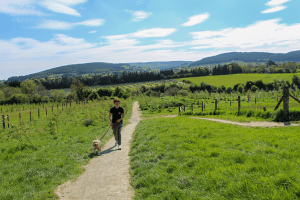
{"type": "Point", "coordinates": [88, 122]}
{"type": "Point", "coordinates": [93, 95]}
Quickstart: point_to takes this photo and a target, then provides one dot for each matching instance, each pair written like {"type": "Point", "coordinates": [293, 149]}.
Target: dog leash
{"type": "Point", "coordinates": [107, 131]}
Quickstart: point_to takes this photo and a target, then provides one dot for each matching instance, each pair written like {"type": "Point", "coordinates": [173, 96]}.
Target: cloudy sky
{"type": "Point", "coordinates": [36, 35]}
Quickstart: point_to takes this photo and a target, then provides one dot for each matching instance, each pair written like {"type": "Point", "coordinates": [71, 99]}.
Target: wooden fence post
{"type": "Point", "coordinates": [184, 108]}
{"type": "Point", "coordinates": [7, 121]}
{"type": "Point", "coordinates": [3, 121]}
{"type": "Point", "coordinates": [20, 117]}
{"type": "Point", "coordinates": [70, 104]}
{"type": "Point", "coordinates": [46, 111]}
{"type": "Point", "coordinates": [30, 115]}
{"type": "Point", "coordinates": [286, 101]}
{"type": "Point", "coordinates": [216, 104]}
{"type": "Point", "coordinates": [39, 113]}
{"type": "Point", "coordinates": [179, 108]}
{"type": "Point", "coordinates": [52, 109]}
{"type": "Point", "coordinates": [230, 102]}
{"type": "Point", "coordinates": [239, 102]}
{"type": "Point", "coordinates": [202, 106]}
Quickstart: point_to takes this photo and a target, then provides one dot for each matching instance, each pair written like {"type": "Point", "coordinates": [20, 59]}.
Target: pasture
{"type": "Point", "coordinates": [184, 158]}
{"type": "Point", "coordinates": [231, 79]}
{"type": "Point", "coordinates": [39, 155]}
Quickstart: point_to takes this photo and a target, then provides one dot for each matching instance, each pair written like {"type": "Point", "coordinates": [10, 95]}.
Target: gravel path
{"type": "Point", "coordinates": [107, 176]}
{"type": "Point", "coordinates": [256, 123]}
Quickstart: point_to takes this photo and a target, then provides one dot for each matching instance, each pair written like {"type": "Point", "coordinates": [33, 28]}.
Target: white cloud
{"type": "Point", "coordinates": [276, 5]}
{"type": "Point", "coordinates": [140, 15]}
{"type": "Point", "coordinates": [92, 31]}
{"type": "Point", "coordinates": [274, 9]}
{"type": "Point", "coordinates": [15, 7]}
{"type": "Point", "coordinates": [260, 36]}
{"type": "Point", "coordinates": [59, 8]}
{"type": "Point", "coordinates": [92, 22]}
{"type": "Point", "coordinates": [31, 7]}
{"type": "Point", "coordinates": [196, 19]}
{"type": "Point", "coordinates": [154, 32]}
{"type": "Point", "coordinates": [276, 2]}
{"type": "Point", "coordinates": [60, 25]}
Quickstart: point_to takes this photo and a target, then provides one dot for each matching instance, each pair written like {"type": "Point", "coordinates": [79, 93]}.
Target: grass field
{"type": "Point", "coordinates": [183, 158]}
{"type": "Point", "coordinates": [232, 79]}
{"type": "Point", "coordinates": [39, 155]}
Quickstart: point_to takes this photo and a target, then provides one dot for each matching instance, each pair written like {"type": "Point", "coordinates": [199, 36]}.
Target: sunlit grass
{"type": "Point", "coordinates": [183, 158]}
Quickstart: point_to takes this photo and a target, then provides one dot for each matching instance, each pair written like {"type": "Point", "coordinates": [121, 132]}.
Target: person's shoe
{"type": "Point", "coordinates": [116, 143]}
{"type": "Point", "coordinates": [120, 147]}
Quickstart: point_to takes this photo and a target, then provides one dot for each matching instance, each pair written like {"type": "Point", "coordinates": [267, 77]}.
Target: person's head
{"type": "Point", "coordinates": [117, 102]}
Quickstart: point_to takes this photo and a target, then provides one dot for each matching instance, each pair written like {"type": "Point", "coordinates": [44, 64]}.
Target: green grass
{"type": "Point", "coordinates": [37, 157]}
{"type": "Point", "coordinates": [232, 79]}
{"type": "Point", "coordinates": [183, 158]}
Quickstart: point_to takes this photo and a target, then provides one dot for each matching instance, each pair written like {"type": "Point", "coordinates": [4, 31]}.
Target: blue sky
{"type": "Point", "coordinates": [36, 35]}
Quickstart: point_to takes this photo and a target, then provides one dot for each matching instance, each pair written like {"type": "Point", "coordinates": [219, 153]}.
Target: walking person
{"type": "Point", "coordinates": [116, 122]}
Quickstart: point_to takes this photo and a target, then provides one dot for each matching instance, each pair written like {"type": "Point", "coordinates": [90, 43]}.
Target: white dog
{"type": "Point", "coordinates": [97, 145]}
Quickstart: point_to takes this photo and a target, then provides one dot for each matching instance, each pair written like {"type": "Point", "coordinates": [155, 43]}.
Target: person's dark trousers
{"type": "Point", "coordinates": [117, 132]}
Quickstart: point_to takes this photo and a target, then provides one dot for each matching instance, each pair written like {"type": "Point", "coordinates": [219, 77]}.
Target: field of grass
{"type": "Point", "coordinates": [232, 79]}
{"type": "Point", "coordinates": [39, 155]}
{"type": "Point", "coordinates": [183, 158]}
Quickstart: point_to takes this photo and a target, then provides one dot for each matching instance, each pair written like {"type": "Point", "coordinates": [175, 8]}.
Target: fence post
{"type": "Point", "coordinates": [277, 98]}
{"type": "Point", "coordinates": [184, 108]}
{"type": "Point", "coordinates": [202, 106]}
{"type": "Point", "coordinates": [57, 107]}
{"type": "Point", "coordinates": [255, 100]}
{"type": "Point", "coordinates": [3, 121]}
{"type": "Point", "coordinates": [52, 109]}
{"type": "Point", "coordinates": [230, 102]}
{"type": "Point", "coordinates": [7, 121]}
{"type": "Point", "coordinates": [70, 104]}
{"type": "Point", "coordinates": [216, 104]}
{"type": "Point", "coordinates": [30, 115]}
{"type": "Point", "coordinates": [239, 102]}
{"type": "Point", "coordinates": [179, 108]}
{"type": "Point", "coordinates": [46, 111]}
{"type": "Point", "coordinates": [20, 117]}
{"type": "Point", "coordinates": [286, 102]}
{"type": "Point", "coordinates": [39, 113]}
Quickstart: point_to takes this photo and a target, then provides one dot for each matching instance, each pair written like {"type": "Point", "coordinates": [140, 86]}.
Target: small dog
{"type": "Point", "coordinates": [97, 145]}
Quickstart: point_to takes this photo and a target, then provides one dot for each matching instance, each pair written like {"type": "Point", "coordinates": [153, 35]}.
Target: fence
{"type": "Point", "coordinates": [5, 120]}
{"type": "Point", "coordinates": [238, 104]}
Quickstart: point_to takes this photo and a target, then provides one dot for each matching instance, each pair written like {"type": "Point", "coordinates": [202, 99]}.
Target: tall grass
{"type": "Point", "coordinates": [183, 158]}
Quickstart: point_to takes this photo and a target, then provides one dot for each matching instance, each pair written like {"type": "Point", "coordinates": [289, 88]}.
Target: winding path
{"type": "Point", "coordinates": [107, 176]}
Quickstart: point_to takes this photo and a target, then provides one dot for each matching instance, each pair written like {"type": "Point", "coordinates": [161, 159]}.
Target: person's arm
{"type": "Point", "coordinates": [123, 115]}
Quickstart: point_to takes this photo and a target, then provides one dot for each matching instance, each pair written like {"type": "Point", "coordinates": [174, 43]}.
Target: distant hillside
{"type": "Point", "coordinates": [100, 68]}
{"type": "Point", "coordinates": [161, 65]}
{"type": "Point", "coordinates": [249, 57]}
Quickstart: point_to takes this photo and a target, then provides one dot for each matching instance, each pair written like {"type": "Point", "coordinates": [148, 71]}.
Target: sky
{"type": "Point", "coordinates": [36, 35]}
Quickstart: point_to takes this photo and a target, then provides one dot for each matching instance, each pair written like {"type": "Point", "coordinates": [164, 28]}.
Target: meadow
{"type": "Point", "coordinates": [231, 79]}
{"type": "Point", "coordinates": [39, 155]}
{"type": "Point", "coordinates": [184, 158]}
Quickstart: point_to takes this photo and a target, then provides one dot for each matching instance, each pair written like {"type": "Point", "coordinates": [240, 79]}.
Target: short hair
{"type": "Point", "coordinates": [116, 100]}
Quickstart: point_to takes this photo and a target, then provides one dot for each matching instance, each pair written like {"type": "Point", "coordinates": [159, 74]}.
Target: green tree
{"type": "Point", "coordinates": [28, 87]}
{"type": "Point", "coordinates": [58, 95]}
{"type": "Point", "coordinates": [78, 87]}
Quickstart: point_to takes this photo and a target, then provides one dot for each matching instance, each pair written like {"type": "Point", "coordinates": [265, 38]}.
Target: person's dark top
{"type": "Point", "coordinates": [116, 113]}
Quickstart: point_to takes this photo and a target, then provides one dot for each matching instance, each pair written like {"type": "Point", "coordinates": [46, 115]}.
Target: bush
{"type": "Point", "coordinates": [88, 122]}
{"type": "Point", "coordinates": [93, 95]}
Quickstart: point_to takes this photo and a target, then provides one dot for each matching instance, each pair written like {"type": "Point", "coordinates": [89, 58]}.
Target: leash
{"type": "Point", "coordinates": [107, 130]}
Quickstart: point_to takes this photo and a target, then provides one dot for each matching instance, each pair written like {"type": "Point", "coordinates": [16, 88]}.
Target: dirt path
{"type": "Point", "coordinates": [256, 123]}
{"type": "Point", "coordinates": [107, 176]}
